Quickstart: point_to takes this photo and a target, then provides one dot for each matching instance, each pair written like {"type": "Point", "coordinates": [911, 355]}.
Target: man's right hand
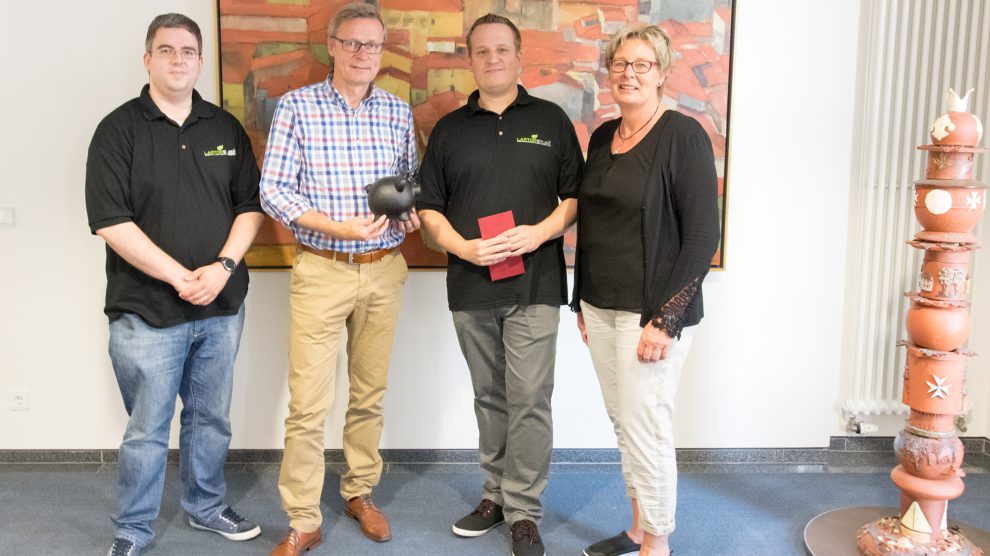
{"type": "Point", "coordinates": [204, 284]}
{"type": "Point", "coordinates": [361, 229]}
{"type": "Point", "coordinates": [485, 252]}
{"type": "Point", "coordinates": [134, 246]}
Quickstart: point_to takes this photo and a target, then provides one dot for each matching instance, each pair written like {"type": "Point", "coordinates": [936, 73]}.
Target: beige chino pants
{"type": "Point", "coordinates": [325, 298]}
{"type": "Point", "coordinates": [639, 399]}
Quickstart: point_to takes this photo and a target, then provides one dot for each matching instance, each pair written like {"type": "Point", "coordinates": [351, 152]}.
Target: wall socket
{"type": "Point", "coordinates": [20, 400]}
{"type": "Point", "coordinates": [8, 218]}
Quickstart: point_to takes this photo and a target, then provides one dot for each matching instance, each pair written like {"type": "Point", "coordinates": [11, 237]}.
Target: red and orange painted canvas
{"type": "Point", "coordinates": [268, 47]}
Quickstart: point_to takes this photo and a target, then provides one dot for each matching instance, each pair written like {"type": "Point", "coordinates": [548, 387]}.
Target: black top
{"type": "Point", "coordinates": [678, 219]}
{"type": "Point", "coordinates": [183, 187]}
{"type": "Point", "coordinates": [479, 163]}
{"type": "Point", "coordinates": [610, 205]}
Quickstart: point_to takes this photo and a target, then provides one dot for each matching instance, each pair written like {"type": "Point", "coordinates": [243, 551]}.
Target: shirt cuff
{"type": "Point", "coordinates": [287, 214]}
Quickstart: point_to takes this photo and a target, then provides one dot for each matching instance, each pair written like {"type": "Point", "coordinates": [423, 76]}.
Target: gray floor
{"type": "Point", "coordinates": [54, 509]}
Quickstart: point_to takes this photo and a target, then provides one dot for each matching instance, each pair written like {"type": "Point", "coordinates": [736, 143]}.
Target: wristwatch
{"type": "Point", "coordinates": [227, 263]}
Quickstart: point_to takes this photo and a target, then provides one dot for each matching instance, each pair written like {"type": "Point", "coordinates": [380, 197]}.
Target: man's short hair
{"type": "Point", "coordinates": [354, 10]}
{"type": "Point", "coordinates": [494, 18]}
{"type": "Point", "coordinates": [173, 21]}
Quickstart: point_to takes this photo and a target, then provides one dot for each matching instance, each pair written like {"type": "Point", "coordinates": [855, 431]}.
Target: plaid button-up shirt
{"type": "Point", "coordinates": [321, 153]}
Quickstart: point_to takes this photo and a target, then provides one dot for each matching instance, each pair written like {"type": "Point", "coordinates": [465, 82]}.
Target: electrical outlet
{"type": "Point", "coordinates": [20, 400]}
{"type": "Point", "coordinates": [7, 217]}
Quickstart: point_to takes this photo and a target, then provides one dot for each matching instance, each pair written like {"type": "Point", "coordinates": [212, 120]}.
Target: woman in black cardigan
{"type": "Point", "coordinates": [647, 230]}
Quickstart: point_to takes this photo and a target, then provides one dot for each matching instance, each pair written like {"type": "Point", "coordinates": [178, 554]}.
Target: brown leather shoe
{"type": "Point", "coordinates": [296, 542]}
{"type": "Point", "coordinates": [373, 522]}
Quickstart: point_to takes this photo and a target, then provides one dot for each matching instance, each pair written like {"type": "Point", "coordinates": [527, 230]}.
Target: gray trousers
{"type": "Point", "coordinates": [510, 352]}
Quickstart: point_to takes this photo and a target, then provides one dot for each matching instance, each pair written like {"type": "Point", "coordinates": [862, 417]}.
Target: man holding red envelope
{"type": "Point", "coordinates": [499, 184]}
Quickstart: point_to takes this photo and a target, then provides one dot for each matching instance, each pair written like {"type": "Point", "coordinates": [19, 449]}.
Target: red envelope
{"type": "Point", "coordinates": [491, 226]}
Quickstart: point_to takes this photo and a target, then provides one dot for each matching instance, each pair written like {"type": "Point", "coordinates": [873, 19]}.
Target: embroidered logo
{"type": "Point", "coordinates": [534, 139]}
{"type": "Point", "coordinates": [219, 151]}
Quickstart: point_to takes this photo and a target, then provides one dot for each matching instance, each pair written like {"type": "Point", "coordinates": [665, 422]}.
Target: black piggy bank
{"type": "Point", "coordinates": [393, 196]}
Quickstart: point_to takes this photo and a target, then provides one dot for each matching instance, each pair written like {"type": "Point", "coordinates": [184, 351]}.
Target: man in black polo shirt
{"type": "Point", "coordinates": [172, 186]}
{"type": "Point", "coordinates": [505, 151]}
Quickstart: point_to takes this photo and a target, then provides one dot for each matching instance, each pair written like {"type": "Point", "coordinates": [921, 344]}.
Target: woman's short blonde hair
{"type": "Point", "coordinates": [652, 35]}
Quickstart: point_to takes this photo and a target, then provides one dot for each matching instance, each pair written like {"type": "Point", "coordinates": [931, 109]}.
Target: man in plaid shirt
{"type": "Point", "coordinates": [327, 141]}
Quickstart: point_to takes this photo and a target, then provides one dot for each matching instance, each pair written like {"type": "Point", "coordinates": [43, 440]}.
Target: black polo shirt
{"type": "Point", "coordinates": [479, 163]}
{"type": "Point", "coordinates": [182, 186]}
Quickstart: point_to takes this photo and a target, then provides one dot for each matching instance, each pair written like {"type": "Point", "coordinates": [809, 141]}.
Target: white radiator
{"type": "Point", "coordinates": [912, 51]}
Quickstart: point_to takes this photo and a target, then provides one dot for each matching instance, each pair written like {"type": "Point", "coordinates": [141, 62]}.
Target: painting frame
{"type": "Point", "coordinates": [266, 47]}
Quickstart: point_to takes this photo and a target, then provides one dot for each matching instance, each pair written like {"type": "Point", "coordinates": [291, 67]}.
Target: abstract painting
{"type": "Point", "coordinates": [268, 47]}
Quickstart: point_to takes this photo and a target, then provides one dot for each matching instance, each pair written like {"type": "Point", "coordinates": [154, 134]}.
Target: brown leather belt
{"type": "Point", "coordinates": [349, 258]}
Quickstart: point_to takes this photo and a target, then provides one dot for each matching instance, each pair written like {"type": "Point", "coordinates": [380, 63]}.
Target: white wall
{"type": "Point", "coordinates": [978, 370]}
{"type": "Point", "coordinates": [764, 371]}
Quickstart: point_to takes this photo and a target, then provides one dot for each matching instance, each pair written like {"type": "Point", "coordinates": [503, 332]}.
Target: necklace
{"type": "Point", "coordinates": [618, 130]}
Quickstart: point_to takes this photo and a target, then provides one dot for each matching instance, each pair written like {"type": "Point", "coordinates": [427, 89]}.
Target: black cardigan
{"type": "Point", "coordinates": [680, 221]}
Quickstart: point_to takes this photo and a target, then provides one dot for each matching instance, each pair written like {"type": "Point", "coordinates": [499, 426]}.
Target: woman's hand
{"type": "Point", "coordinates": [581, 328]}
{"type": "Point", "coordinates": [653, 344]}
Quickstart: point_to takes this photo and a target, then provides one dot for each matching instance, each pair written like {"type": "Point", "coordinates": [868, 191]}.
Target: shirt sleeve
{"type": "Point", "coordinates": [282, 167]}
{"type": "Point", "coordinates": [244, 187]}
{"type": "Point", "coordinates": [572, 160]}
{"type": "Point", "coordinates": [108, 178]}
{"type": "Point", "coordinates": [694, 188]}
{"type": "Point", "coordinates": [433, 192]}
{"type": "Point", "coordinates": [410, 163]}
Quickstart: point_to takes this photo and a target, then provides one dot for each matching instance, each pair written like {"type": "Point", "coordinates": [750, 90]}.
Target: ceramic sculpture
{"type": "Point", "coordinates": [393, 196]}
{"type": "Point", "coordinates": [948, 203]}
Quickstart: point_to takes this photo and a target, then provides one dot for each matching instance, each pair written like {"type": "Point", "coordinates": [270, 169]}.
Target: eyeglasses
{"type": "Point", "coordinates": [351, 45]}
{"type": "Point", "coordinates": [185, 53]}
{"type": "Point", "coordinates": [639, 66]}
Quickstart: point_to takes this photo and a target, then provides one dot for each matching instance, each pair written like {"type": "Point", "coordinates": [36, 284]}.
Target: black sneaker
{"type": "Point", "coordinates": [228, 524]}
{"type": "Point", "coordinates": [483, 519]}
{"type": "Point", "coordinates": [613, 546]}
{"type": "Point", "coordinates": [123, 547]}
{"type": "Point", "coordinates": [526, 539]}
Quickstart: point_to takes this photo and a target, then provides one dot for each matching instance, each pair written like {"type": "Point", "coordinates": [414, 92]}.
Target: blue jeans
{"type": "Point", "coordinates": [194, 360]}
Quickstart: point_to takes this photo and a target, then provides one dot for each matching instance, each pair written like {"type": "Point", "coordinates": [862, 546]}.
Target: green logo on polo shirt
{"type": "Point", "coordinates": [219, 151]}
{"type": "Point", "coordinates": [533, 139]}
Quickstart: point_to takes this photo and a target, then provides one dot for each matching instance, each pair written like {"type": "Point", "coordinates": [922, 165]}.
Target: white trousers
{"type": "Point", "coordinates": [639, 399]}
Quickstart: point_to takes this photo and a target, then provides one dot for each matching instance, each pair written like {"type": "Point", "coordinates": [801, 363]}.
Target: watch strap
{"type": "Point", "coordinates": [227, 263]}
